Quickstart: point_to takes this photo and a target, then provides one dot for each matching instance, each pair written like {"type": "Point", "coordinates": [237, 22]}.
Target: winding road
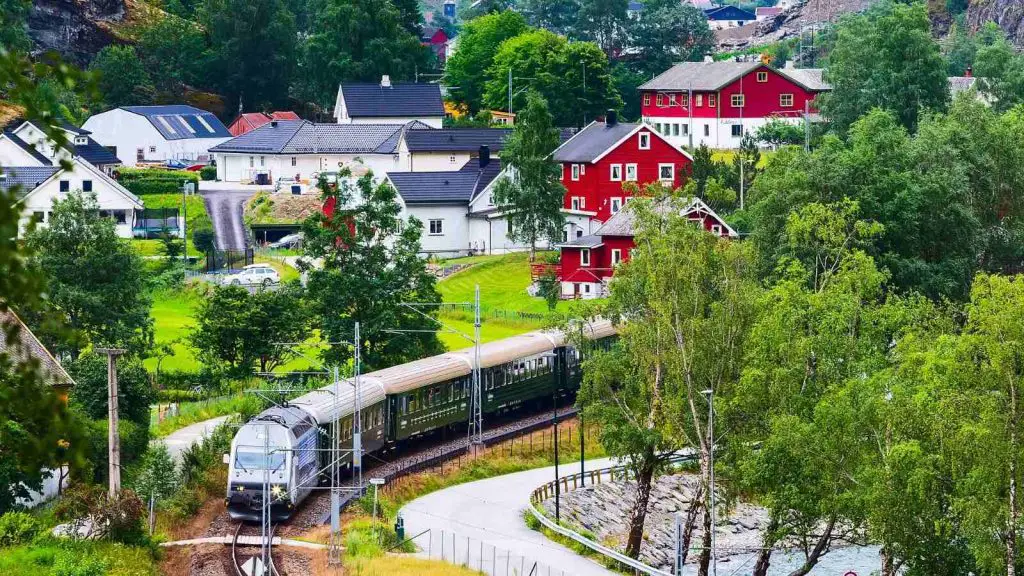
{"type": "Point", "coordinates": [225, 208]}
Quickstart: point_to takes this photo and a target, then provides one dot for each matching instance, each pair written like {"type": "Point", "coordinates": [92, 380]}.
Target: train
{"type": "Point", "coordinates": [397, 404]}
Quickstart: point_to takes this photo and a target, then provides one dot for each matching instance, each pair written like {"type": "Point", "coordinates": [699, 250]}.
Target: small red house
{"type": "Point", "coordinates": [600, 159]}
{"type": "Point", "coordinates": [588, 262]}
{"type": "Point", "coordinates": [250, 121]}
{"type": "Point", "coordinates": [436, 39]}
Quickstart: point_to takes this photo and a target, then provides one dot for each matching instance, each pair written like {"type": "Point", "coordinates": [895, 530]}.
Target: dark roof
{"type": "Point", "coordinates": [592, 141]}
{"type": "Point", "coordinates": [305, 137]}
{"type": "Point", "coordinates": [458, 139]}
{"type": "Point", "coordinates": [457, 187]}
{"type": "Point", "coordinates": [28, 148]}
{"type": "Point", "coordinates": [20, 344]}
{"type": "Point", "coordinates": [588, 241]}
{"type": "Point", "coordinates": [181, 122]}
{"type": "Point", "coordinates": [707, 76]}
{"type": "Point", "coordinates": [729, 13]}
{"type": "Point", "coordinates": [27, 177]}
{"type": "Point", "coordinates": [72, 128]}
{"type": "Point", "coordinates": [94, 153]}
{"type": "Point", "coordinates": [372, 100]}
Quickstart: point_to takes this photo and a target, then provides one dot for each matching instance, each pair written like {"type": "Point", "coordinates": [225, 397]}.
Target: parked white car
{"type": "Point", "coordinates": [254, 275]}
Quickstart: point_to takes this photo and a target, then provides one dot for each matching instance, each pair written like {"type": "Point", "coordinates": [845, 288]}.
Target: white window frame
{"type": "Point", "coordinates": [672, 99]}
{"type": "Point", "coordinates": [660, 100]}
{"type": "Point", "coordinates": [81, 140]}
{"type": "Point", "coordinates": [585, 257]}
{"type": "Point", "coordinates": [671, 167]}
{"type": "Point", "coordinates": [574, 170]}
{"type": "Point", "coordinates": [295, 161]}
{"type": "Point", "coordinates": [643, 140]}
{"type": "Point", "coordinates": [675, 129]}
{"type": "Point", "coordinates": [631, 168]}
{"type": "Point", "coordinates": [152, 149]}
{"type": "Point", "coordinates": [616, 256]}
{"type": "Point", "coordinates": [707, 130]}
{"type": "Point", "coordinates": [716, 229]}
{"type": "Point", "coordinates": [647, 99]}
{"type": "Point", "coordinates": [762, 76]}
{"type": "Point", "coordinates": [733, 130]}
{"type": "Point", "coordinates": [699, 100]}
{"type": "Point", "coordinates": [451, 159]}
{"type": "Point", "coordinates": [615, 204]}
{"type": "Point", "coordinates": [712, 100]}
{"type": "Point", "coordinates": [574, 202]}
{"type": "Point", "coordinates": [615, 173]}
{"type": "Point", "coordinates": [783, 98]}
{"type": "Point", "coordinates": [738, 100]}
{"type": "Point", "coordinates": [686, 130]}
{"type": "Point", "coordinates": [435, 227]}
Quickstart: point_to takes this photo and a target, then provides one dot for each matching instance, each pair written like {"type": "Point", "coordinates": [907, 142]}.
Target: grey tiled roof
{"type": "Point", "coordinates": [457, 187]}
{"type": "Point", "coordinates": [305, 137]}
{"type": "Point", "coordinates": [592, 141]}
{"type": "Point", "coordinates": [96, 154]}
{"type": "Point", "coordinates": [400, 99]}
{"type": "Point", "coordinates": [183, 121]}
{"type": "Point", "coordinates": [588, 241]}
{"type": "Point", "coordinates": [620, 224]}
{"type": "Point", "coordinates": [20, 344]}
{"type": "Point", "coordinates": [28, 148]}
{"type": "Point", "coordinates": [706, 76]}
{"type": "Point", "coordinates": [456, 139]}
{"type": "Point", "coordinates": [26, 177]}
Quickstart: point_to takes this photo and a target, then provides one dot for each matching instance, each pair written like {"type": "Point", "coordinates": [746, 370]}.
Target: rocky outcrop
{"type": "Point", "coordinates": [1008, 14]}
{"type": "Point", "coordinates": [77, 29]}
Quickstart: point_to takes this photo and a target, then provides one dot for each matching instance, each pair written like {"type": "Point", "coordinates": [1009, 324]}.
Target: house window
{"type": "Point", "coordinates": [585, 257]}
{"type": "Point", "coordinates": [263, 161]}
{"type": "Point", "coordinates": [565, 236]}
{"type": "Point", "coordinates": [616, 205]}
{"type": "Point", "coordinates": [661, 100]}
{"type": "Point", "coordinates": [436, 227]}
{"type": "Point", "coordinates": [65, 185]}
{"type": "Point", "coordinates": [251, 162]}
{"type": "Point", "coordinates": [575, 203]}
{"type": "Point", "coordinates": [686, 129]}
{"type": "Point", "coordinates": [616, 173]}
{"type": "Point", "coordinates": [699, 100]}
{"type": "Point", "coordinates": [152, 149]}
{"type": "Point", "coordinates": [644, 140]}
{"type": "Point", "coordinates": [737, 100]}
{"type": "Point", "coordinates": [672, 99]}
{"type": "Point", "coordinates": [616, 256]}
{"type": "Point", "coordinates": [716, 229]}
{"type": "Point", "coordinates": [647, 99]}
{"type": "Point", "coordinates": [707, 130]}
{"type": "Point", "coordinates": [575, 172]}
{"type": "Point", "coordinates": [579, 233]}
{"type": "Point", "coordinates": [294, 161]}
{"type": "Point", "coordinates": [737, 130]}
{"type": "Point", "coordinates": [39, 217]}
{"type": "Point", "coordinates": [675, 129]}
{"type": "Point", "coordinates": [786, 100]}
{"type": "Point", "coordinates": [630, 172]}
{"type": "Point", "coordinates": [685, 100]}
{"type": "Point", "coordinates": [666, 172]}
{"type": "Point", "coordinates": [140, 154]}
{"type": "Point", "coordinates": [762, 76]}
{"type": "Point", "coordinates": [451, 159]}
{"type": "Point", "coordinates": [81, 140]}
{"type": "Point", "coordinates": [86, 185]}
{"type": "Point", "coordinates": [657, 126]}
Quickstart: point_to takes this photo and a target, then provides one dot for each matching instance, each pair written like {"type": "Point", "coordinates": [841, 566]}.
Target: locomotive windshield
{"type": "Point", "coordinates": [255, 460]}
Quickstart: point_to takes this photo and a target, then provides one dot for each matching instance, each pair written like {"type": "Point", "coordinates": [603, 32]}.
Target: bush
{"type": "Point", "coordinates": [68, 563]}
{"type": "Point", "coordinates": [142, 181]}
{"type": "Point", "coordinates": [118, 519]}
{"type": "Point", "coordinates": [168, 396]}
{"type": "Point", "coordinates": [134, 442]}
{"type": "Point", "coordinates": [205, 382]}
{"type": "Point", "coordinates": [208, 173]}
{"type": "Point", "coordinates": [203, 237]}
{"type": "Point", "coordinates": [17, 528]}
{"type": "Point", "coordinates": [134, 392]}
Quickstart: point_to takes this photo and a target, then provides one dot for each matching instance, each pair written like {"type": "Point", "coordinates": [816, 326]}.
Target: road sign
{"type": "Point", "coordinates": [377, 481]}
{"type": "Point", "coordinates": [253, 567]}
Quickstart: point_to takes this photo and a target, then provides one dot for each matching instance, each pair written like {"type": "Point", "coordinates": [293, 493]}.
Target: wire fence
{"type": "Point", "coordinates": [479, 555]}
{"type": "Point", "coordinates": [495, 313]}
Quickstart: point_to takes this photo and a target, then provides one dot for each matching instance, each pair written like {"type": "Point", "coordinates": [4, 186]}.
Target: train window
{"type": "Point", "coordinates": [404, 408]}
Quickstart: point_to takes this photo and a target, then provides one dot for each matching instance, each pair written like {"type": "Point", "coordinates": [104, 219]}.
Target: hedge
{"type": "Point", "coordinates": [208, 173]}
{"type": "Point", "coordinates": [142, 181]}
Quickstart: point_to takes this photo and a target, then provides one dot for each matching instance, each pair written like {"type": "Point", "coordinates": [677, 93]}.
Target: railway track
{"type": "Point", "coordinates": [239, 566]}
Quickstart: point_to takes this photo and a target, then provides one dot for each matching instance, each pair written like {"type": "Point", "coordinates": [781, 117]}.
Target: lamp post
{"type": "Point", "coordinates": [553, 358]}
{"type": "Point", "coordinates": [710, 396]}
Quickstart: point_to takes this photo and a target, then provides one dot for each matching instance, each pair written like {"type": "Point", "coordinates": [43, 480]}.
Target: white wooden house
{"type": "Point", "coordinates": [158, 133]}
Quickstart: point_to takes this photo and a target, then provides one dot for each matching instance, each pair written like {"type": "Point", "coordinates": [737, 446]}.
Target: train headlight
{"type": "Point", "coordinates": [276, 490]}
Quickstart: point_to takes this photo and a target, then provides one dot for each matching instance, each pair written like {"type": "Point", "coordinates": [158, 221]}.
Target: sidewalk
{"type": "Point", "coordinates": [179, 441]}
{"type": "Point", "coordinates": [483, 525]}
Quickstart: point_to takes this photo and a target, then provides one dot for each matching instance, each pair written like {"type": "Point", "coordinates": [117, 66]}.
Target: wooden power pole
{"type": "Point", "coordinates": [113, 440]}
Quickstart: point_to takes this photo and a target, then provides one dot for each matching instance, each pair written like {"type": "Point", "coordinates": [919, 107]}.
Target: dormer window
{"type": "Point", "coordinates": [644, 140]}
{"type": "Point", "coordinates": [81, 140]}
{"type": "Point", "coordinates": [762, 76]}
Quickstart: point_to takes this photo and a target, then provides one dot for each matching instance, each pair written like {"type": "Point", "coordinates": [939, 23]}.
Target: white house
{"type": "Point", "coordinates": [28, 145]}
{"type": "Point", "coordinates": [389, 103]}
{"type": "Point", "coordinates": [158, 133]}
{"type": "Point", "coordinates": [39, 186]}
{"type": "Point", "coordinates": [447, 149]}
{"type": "Point", "coordinates": [299, 149]}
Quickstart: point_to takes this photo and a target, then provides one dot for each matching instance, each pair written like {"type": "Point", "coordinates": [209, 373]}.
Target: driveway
{"type": "Point", "coordinates": [225, 208]}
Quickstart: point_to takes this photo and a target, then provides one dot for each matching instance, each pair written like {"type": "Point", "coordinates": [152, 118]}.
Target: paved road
{"type": "Point", "coordinates": [225, 209]}
{"type": "Point", "coordinates": [179, 441]}
{"type": "Point", "coordinates": [490, 512]}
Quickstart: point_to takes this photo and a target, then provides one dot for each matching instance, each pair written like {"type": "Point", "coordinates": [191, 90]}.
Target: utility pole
{"type": "Point", "coordinates": [710, 395]}
{"type": "Point", "coordinates": [357, 417]}
{"type": "Point", "coordinates": [477, 427]}
{"type": "Point", "coordinates": [807, 126]}
{"type": "Point", "coordinates": [113, 440]}
{"type": "Point", "coordinates": [689, 108]}
{"type": "Point", "coordinates": [265, 509]}
{"type": "Point", "coordinates": [742, 161]}
{"type": "Point", "coordinates": [509, 89]}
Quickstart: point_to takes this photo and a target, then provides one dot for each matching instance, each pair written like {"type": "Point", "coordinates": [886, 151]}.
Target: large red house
{"type": "Point", "coordinates": [588, 262]}
{"type": "Point", "coordinates": [716, 103]}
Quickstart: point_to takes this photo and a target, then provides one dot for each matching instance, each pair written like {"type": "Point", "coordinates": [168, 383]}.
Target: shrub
{"type": "Point", "coordinates": [134, 441]}
{"type": "Point", "coordinates": [118, 519]}
{"type": "Point", "coordinates": [68, 563]}
{"type": "Point", "coordinates": [167, 396]}
{"type": "Point", "coordinates": [142, 181]}
{"type": "Point", "coordinates": [208, 173]}
{"type": "Point", "coordinates": [17, 528]}
{"type": "Point", "coordinates": [134, 392]}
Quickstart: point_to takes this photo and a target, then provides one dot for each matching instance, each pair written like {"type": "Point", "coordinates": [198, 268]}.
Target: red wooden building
{"type": "Point", "coordinates": [716, 103]}
{"type": "Point", "coordinates": [250, 121]}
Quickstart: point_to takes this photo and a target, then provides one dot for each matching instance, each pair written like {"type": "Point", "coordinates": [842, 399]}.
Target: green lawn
{"type": "Point", "coordinates": [195, 207]}
{"type": "Point", "coordinates": [503, 281]}
{"type": "Point", "coordinates": [154, 247]}
{"type": "Point", "coordinates": [172, 320]}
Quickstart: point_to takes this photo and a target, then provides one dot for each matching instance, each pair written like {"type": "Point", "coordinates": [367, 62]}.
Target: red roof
{"type": "Point", "coordinates": [252, 120]}
{"type": "Point", "coordinates": [285, 115]}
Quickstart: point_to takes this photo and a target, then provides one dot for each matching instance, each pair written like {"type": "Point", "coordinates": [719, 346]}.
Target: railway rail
{"type": "Point", "coordinates": [239, 567]}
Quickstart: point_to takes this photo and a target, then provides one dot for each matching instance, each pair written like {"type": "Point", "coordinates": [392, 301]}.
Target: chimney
{"type": "Point", "coordinates": [273, 123]}
{"type": "Point", "coordinates": [385, 81]}
{"type": "Point", "coordinates": [969, 72]}
{"type": "Point", "coordinates": [485, 156]}
{"type": "Point", "coordinates": [611, 118]}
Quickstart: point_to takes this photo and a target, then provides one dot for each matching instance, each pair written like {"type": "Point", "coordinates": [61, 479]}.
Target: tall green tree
{"type": "Point", "coordinates": [466, 71]}
{"type": "Point", "coordinates": [666, 32]}
{"type": "Point", "coordinates": [531, 195]}
{"type": "Point", "coordinates": [885, 58]}
{"type": "Point", "coordinates": [999, 67]}
{"type": "Point", "coordinates": [410, 15]}
{"type": "Point", "coordinates": [121, 77]}
{"type": "Point", "coordinates": [95, 280]}
{"type": "Point", "coordinates": [134, 392]}
{"type": "Point", "coordinates": [371, 270]}
{"type": "Point", "coordinates": [173, 51]}
{"type": "Point", "coordinates": [357, 41]}
{"type": "Point", "coordinates": [13, 29]}
{"type": "Point", "coordinates": [558, 16]}
{"type": "Point", "coordinates": [603, 22]}
{"type": "Point", "coordinates": [252, 50]}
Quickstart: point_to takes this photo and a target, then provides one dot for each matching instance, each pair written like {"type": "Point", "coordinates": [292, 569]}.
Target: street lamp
{"type": "Point", "coordinates": [710, 396]}
{"type": "Point", "coordinates": [553, 359]}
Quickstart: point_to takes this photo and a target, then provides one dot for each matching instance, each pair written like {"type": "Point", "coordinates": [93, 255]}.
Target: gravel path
{"type": "Point", "coordinates": [225, 208]}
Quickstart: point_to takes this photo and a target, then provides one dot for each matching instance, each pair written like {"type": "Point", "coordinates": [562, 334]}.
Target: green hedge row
{"type": "Point", "coordinates": [142, 181]}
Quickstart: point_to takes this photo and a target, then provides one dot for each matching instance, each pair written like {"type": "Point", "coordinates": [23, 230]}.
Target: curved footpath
{"type": "Point", "coordinates": [180, 440]}
{"type": "Point", "coordinates": [491, 512]}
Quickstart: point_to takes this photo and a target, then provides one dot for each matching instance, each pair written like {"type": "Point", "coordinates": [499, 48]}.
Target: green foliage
{"type": "Point", "coordinates": [777, 133]}
{"type": "Point", "coordinates": [17, 528]}
{"type": "Point", "coordinates": [171, 248]}
{"type": "Point", "coordinates": [134, 392]}
{"type": "Point", "coordinates": [146, 181]}
{"type": "Point", "coordinates": [208, 173]}
{"type": "Point", "coordinates": [1000, 70]}
{"type": "Point", "coordinates": [666, 32]}
{"type": "Point", "coordinates": [13, 14]}
{"type": "Point", "coordinates": [156, 475]}
{"type": "Point", "coordinates": [558, 16]}
{"type": "Point", "coordinates": [532, 196]}
{"type": "Point", "coordinates": [69, 564]}
{"type": "Point", "coordinates": [203, 236]}
{"type": "Point", "coordinates": [370, 268]}
{"type": "Point", "coordinates": [550, 288]}
{"type": "Point", "coordinates": [122, 79]}
{"type": "Point", "coordinates": [885, 58]}
{"type": "Point", "coordinates": [603, 22]}
{"type": "Point", "coordinates": [118, 518]}
{"type": "Point", "coordinates": [134, 440]}
{"type": "Point", "coordinates": [241, 331]}
{"type": "Point", "coordinates": [478, 44]}
{"type": "Point", "coordinates": [172, 49]}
